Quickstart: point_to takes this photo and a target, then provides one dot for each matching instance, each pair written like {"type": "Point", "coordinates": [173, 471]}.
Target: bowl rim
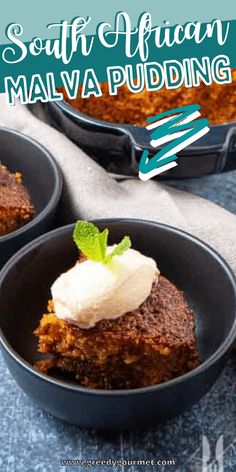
{"type": "Point", "coordinates": [204, 366]}
{"type": "Point", "coordinates": [123, 128]}
{"type": "Point", "coordinates": [57, 190]}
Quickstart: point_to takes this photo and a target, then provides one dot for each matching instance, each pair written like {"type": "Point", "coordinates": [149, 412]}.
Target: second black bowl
{"type": "Point", "coordinates": [42, 178]}
{"type": "Point", "coordinates": [194, 267]}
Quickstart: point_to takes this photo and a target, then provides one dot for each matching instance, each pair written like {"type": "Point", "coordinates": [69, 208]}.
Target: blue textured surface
{"type": "Point", "coordinates": [31, 440]}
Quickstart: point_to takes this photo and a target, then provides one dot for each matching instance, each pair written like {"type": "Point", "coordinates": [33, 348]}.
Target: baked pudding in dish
{"type": "Point", "coordinates": [217, 102]}
{"type": "Point", "coordinates": [114, 322]}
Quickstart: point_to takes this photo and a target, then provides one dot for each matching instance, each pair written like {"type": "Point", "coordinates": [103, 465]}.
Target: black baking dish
{"type": "Point", "coordinates": [118, 147]}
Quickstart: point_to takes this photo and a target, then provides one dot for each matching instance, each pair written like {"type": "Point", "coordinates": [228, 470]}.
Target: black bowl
{"type": "Point", "coordinates": [118, 147]}
{"type": "Point", "coordinates": [41, 176]}
{"type": "Point", "coordinates": [204, 276]}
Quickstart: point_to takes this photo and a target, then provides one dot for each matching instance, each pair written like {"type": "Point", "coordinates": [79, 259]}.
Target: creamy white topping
{"type": "Point", "coordinates": [93, 291]}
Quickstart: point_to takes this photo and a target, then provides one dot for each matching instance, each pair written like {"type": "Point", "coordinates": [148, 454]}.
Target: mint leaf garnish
{"type": "Point", "coordinates": [90, 241]}
{"type": "Point", "coordinates": [93, 243]}
{"type": "Point", "coordinates": [103, 241]}
{"type": "Point", "coordinates": [120, 248]}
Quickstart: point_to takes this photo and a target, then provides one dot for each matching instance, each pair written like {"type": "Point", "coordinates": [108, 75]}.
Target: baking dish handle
{"type": "Point", "coordinates": [227, 160]}
{"type": "Point", "coordinates": [206, 159]}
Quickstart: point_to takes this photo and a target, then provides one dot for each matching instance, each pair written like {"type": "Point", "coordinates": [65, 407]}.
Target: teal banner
{"type": "Point", "coordinates": [120, 52]}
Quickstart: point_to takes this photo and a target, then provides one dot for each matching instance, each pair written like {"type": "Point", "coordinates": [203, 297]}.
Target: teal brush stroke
{"type": "Point", "coordinates": [166, 129]}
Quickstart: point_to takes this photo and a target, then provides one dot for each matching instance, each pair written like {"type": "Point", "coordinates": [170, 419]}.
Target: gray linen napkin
{"type": "Point", "coordinates": [89, 192]}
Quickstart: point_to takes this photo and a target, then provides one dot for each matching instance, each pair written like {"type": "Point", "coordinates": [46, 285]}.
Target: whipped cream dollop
{"type": "Point", "coordinates": [92, 291]}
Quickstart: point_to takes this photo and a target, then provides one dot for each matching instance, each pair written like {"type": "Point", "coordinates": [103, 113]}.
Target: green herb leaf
{"type": "Point", "coordinates": [93, 243]}
{"type": "Point", "coordinates": [120, 248]}
{"type": "Point", "coordinates": [89, 240]}
{"type": "Point", "coordinates": [103, 242]}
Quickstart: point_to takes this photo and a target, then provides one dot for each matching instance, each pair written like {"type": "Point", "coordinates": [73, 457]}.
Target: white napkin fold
{"type": "Point", "coordinates": [89, 192]}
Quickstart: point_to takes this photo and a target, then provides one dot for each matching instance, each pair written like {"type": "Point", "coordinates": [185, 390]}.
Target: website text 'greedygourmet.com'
{"type": "Point", "coordinates": [116, 463]}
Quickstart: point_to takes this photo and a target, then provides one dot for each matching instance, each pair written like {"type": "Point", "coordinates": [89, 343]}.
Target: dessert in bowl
{"type": "Point", "coordinates": [16, 208]}
{"type": "Point", "coordinates": [108, 392]}
{"type": "Point", "coordinates": [114, 321]}
{"type": "Point", "coordinates": [30, 191]}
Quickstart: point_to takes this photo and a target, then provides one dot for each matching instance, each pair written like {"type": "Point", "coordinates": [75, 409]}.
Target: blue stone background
{"type": "Point", "coordinates": [33, 441]}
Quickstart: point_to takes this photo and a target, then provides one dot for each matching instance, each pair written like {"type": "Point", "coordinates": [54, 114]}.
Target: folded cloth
{"type": "Point", "coordinates": [89, 192]}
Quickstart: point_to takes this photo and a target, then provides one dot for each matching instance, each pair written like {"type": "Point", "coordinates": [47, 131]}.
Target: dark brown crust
{"type": "Point", "coordinates": [147, 346]}
{"type": "Point", "coordinates": [16, 208]}
{"type": "Point", "coordinates": [164, 315]}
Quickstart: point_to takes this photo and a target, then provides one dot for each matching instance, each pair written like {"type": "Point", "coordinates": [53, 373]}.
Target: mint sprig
{"type": "Point", "coordinates": [93, 243]}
